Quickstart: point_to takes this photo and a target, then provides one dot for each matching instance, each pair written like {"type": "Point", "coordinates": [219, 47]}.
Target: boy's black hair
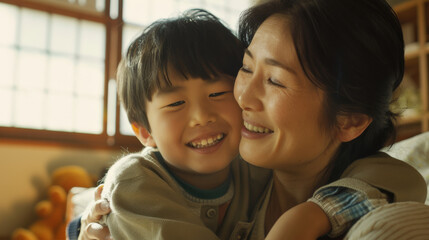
{"type": "Point", "coordinates": [195, 44]}
{"type": "Point", "coordinates": [354, 51]}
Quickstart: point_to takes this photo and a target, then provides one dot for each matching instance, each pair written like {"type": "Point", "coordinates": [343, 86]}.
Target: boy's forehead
{"type": "Point", "coordinates": [175, 82]}
{"type": "Point", "coordinates": [173, 77]}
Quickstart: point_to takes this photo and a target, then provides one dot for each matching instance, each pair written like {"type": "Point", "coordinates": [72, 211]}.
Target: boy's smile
{"type": "Point", "coordinates": [200, 143]}
{"type": "Point", "coordinates": [195, 123]}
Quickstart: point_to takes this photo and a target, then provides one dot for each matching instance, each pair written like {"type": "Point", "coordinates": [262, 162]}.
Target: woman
{"type": "Point", "coordinates": [318, 77]}
{"type": "Point", "coordinates": [315, 88]}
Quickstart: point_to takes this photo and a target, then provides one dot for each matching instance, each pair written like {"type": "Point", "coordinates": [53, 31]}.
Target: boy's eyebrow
{"type": "Point", "coordinates": [168, 89]}
{"type": "Point", "coordinates": [272, 62]}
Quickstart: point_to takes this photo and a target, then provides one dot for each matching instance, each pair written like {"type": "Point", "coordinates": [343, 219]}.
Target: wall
{"type": "Point", "coordinates": [24, 176]}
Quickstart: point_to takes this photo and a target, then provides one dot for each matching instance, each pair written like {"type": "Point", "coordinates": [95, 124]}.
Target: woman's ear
{"type": "Point", "coordinates": [143, 135]}
{"type": "Point", "coordinates": [352, 126]}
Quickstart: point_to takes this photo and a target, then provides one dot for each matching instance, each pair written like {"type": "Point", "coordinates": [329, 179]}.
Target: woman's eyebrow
{"type": "Point", "coordinates": [248, 52]}
{"type": "Point", "coordinates": [272, 62]}
{"type": "Point", "coordinates": [276, 63]}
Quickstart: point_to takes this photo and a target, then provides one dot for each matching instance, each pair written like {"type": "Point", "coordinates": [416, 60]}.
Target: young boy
{"type": "Point", "coordinates": [176, 83]}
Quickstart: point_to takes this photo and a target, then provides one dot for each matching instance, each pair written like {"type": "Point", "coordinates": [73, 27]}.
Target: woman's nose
{"type": "Point", "coordinates": [247, 93]}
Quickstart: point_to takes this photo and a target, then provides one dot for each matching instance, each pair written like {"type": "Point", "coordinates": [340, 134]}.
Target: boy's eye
{"type": "Point", "coordinates": [175, 104]}
{"type": "Point", "coordinates": [217, 94]}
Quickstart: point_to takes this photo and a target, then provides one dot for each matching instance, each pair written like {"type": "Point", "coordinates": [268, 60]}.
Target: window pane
{"type": "Point", "coordinates": [91, 6]}
{"type": "Point", "coordinates": [135, 10]}
{"type": "Point", "coordinates": [61, 72]}
{"type": "Point", "coordinates": [7, 66]}
{"type": "Point", "coordinates": [187, 4]}
{"type": "Point", "coordinates": [8, 21]}
{"type": "Point", "coordinates": [236, 4]}
{"type": "Point", "coordinates": [60, 111]}
{"type": "Point", "coordinates": [124, 125]}
{"type": "Point", "coordinates": [92, 41]}
{"type": "Point", "coordinates": [31, 70]}
{"type": "Point", "coordinates": [29, 109]}
{"type": "Point", "coordinates": [6, 107]}
{"type": "Point", "coordinates": [63, 34]}
{"type": "Point", "coordinates": [33, 32]}
{"type": "Point", "coordinates": [145, 12]}
{"type": "Point", "coordinates": [111, 108]}
{"type": "Point", "coordinates": [90, 78]}
{"type": "Point", "coordinates": [130, 32]}
{"type": "Point", "coordinates": [99, 5]}
{"type": "Point", "coordinates": [89, 115]}
{"type": "Point", "coordinates": [162, 9]}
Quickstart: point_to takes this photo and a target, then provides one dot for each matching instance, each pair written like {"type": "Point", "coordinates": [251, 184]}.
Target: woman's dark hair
{"type": "Point", "coordinates": [195, 44]}
{"type": "Point", "coordinates": [351, 49]}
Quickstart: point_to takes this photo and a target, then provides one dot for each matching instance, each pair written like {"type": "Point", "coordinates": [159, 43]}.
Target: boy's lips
{"type": "Point", "coordinates": [204, 142]}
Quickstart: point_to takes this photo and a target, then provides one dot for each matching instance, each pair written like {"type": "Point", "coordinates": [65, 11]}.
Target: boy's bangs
{"type": "Point", "coordinates": [196, 45]}
{"type": "Point", "coordinates": [189, 68]}
{"type": "Point", "coordinates": [198, 48]}
{"type": "Point", "coordinates": [196, 61]}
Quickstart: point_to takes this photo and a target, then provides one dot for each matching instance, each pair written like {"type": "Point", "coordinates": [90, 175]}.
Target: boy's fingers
{"type": "Point", "coordinates": [98, 232]}
{"type": "Point", "coordinates": [98, 210]}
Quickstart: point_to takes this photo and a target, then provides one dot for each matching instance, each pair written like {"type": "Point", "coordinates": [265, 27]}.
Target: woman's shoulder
{"type": "Point", "coordinates": [390, 174]}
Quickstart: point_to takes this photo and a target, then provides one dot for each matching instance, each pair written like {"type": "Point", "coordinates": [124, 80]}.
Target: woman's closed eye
{"type": "Point", "coordinates": [245, 69]}
{"type": "Point", "coordinates": [276, 83]}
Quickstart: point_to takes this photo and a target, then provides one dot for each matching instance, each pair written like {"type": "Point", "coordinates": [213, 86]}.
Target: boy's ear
{"type": "Point", "coordinates": [143, 135]}
{"type": "Point", "coordinates": [351, 126]}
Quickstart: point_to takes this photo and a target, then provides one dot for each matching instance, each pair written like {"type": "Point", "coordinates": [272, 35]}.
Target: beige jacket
{"type": "Point", "coordinates": [367, 175]}
{"type": "Point", "coordinates": [148, 203]}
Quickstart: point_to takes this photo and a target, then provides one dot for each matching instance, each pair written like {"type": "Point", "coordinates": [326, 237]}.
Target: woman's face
{"type": "Point", "coordinates": [282, 109]}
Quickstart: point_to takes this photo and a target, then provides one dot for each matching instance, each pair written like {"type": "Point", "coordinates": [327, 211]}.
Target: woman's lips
{"type": "Point", "coordinates": [253, 131]}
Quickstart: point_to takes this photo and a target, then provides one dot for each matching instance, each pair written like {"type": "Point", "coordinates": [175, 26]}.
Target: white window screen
{"type": "Point", "coordinates": [52, 71]}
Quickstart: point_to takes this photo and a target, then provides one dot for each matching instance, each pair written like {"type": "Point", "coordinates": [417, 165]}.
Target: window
{"type": "Point", "coordinates": [58, 63]}
{"type": "Point", "coordinates": [55, 71]}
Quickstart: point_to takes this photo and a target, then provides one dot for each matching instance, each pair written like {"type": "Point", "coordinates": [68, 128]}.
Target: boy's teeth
{"type": "Point", "coordinates": [207, 142]}
{"type": "Point", "coordinates": [256, 129]}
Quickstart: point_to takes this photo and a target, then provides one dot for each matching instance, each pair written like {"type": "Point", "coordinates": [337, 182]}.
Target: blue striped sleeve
{"type": "Point", "coordinates": [344, 206]}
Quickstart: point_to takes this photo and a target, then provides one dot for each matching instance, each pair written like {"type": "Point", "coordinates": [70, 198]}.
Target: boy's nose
{"type": "Point", "coordinates": [202, 115]}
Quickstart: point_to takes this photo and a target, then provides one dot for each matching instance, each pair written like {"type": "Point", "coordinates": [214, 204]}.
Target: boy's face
{"type": "Point", "coordinates": [195, 124]}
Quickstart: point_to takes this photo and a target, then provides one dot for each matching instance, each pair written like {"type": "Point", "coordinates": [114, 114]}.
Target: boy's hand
{"type": "Point", "coordinates": [90, 228]}
{"type": "Point", "coordinates": [305, 221]}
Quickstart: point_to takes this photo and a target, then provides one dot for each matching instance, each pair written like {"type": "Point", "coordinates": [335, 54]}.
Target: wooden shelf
{"type": "Point", "coordinates": [402, 121]}
{"type": "Point", "coordinates": [412, 54]}
{"type": "Point", "coordinates": [414, 17]}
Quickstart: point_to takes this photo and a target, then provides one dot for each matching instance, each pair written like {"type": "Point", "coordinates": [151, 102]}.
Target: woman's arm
{"type": "Point", "coordinates": [305, 221]}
